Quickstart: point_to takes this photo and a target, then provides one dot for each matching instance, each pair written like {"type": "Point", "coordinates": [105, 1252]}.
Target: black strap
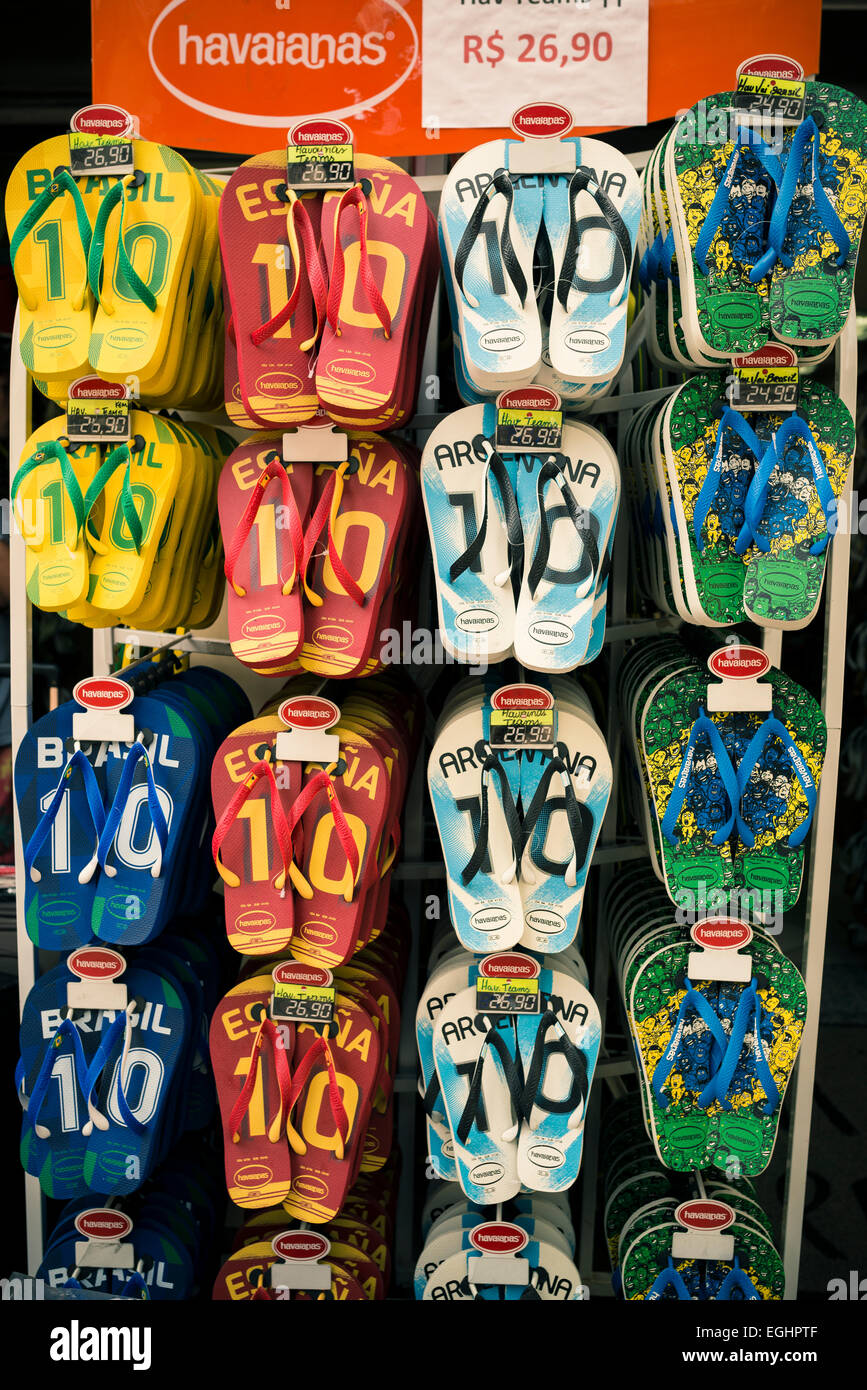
{"type": "Point", "coordinates": [473, 1112]}
{"type": "Point", "coordinates": [579, 816]}
{"type": "Point", "coordinates": [552, 471]}
{"type": "Point", "coordinates": [542, 1052]}
{"type": "Point", "coordinates": [514, 529]}
{"type": "Point", "coordinates": [582, 181]}
{"type": "Point", "coordinates": [491, 764]}
{"type": "Point", "coordinates": [501, 183]}
{"type": "Point", "coordinates": [430, 1096]}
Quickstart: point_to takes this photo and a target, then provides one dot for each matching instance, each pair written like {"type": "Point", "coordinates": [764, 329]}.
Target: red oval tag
{"type": "Point", "coordinates": [522, 697]}
{"type": "Point", "coordinates": [103, 693]}
{"type": "Point", "coordinates": [771, 65]}
{"type": "Point", "coordinates": [498, 1238]}
{"type": "Point", "coordinates": [102, 1223]}
{"type": "Point", "coordinates": [775, 355]}
{"type": "Point", "coordinates": [93, 388]}
{"type": "Point", "coordinates": [509, 964]}
{"type": "Point", "coordinates": [542, 120]}
{"type": "Point", "coordinates": [528, 398]}
{"type": "Point", "coordinates": [301, 1245]}
{"type": "Point", "coordinates": [734, 663]}
{"type": "Point", "coordinates": [721, 933]}
{"type": "Point", "coordinates": [103, 119]}
{"type": "Point", "coordinates": [96, 963]}
{"type": "Point", "coordinates": [300, 972]}
{"type": "Point", "coordinates": [704, 1215]}
{"type": "Point", "coordinates": [309, 712]}
{"type": "Point", "coordinates": [320, 132]}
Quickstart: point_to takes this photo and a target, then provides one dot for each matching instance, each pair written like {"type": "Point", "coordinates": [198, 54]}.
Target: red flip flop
{"type": "Point", "coordinates": [275, 278]}
{"type": "Point", "coordinates": [259, 492]}
{"type": "Point", "coordinates": [251, 1059]}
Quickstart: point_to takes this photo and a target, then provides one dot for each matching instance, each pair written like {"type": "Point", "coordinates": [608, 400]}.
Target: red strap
{"type": "Point", "coordinates": [309, 262]}
{"type": "Point", "coordinates": [274, 470]}
{"type": "Point", "coordinates": [354, 197]}
{"type": "Point", "coordinates": [314, 530]}
{"type": "Point", "coordinates": [278, 816]}
{"type": "Point", "coordinates": [352, 589]}
{"type": "Point", "coordinates": [321, 781]}
{"type": "Point", "coordinates": [267, 1029]}
{"type": "Point", "coordinates": [320, 1049]}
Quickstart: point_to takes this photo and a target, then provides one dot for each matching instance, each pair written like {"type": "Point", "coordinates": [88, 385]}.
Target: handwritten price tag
{"type": "Point", "coordinates": [479, 66]}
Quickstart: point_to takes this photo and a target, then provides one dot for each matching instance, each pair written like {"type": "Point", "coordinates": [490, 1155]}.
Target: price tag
{"type": "Point", "coordinates": [319, 155]}
{"type": "Point", "coordinates": [88, 421]}
{"type": "Point", "coordinates": [522, 716]}
{"type": "Point", "coordinates": [529, 431]}
{"type": "Point", "coordinates": [508, 984]}
{"type": "Point", "coordinates": [770, 96]}
{"type": "Point", "coordinates": [303, 993]}
{"type": "Point", "coordinates": [765, 380]}
{"type": "Point", "coordinates": [99, 155]}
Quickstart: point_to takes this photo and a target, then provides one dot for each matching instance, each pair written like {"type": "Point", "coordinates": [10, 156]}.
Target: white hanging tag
{"type": "Point", "coordinates": [299, 1267]}
{"type": "Point", "coordinates": [499, 1260]}
{"type": "Point", "coordinates": [306, 739]}
{"type": "Point", "coordinates": [100, 721]}
{"type": "Point", "coordinates": [704, 1236]}
{"type": "Point", "coordinates": [97, 985]}
{"type": "Point", "coordinates": [316, 441]}
{"type": "Point", "coordinates": [739, 689]}
{"type": "Point", "coordinates": [719, 958]}
{"type": "Point", "coordinates": [542, 150]}
{"type": "Point", "coordinates": [104, 1245]}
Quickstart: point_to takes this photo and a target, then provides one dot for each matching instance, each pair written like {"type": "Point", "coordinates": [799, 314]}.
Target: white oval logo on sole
{"type": "Point", "coordinates": [550, 632]}
{"type": "Point", "coordinates": [546, 1156]}
{"type": "Point", "coordinates": [545, 920]}
{"type": "Point", "coordinates": [587, 340]}
{"type": "Point", "coordinates": [501, 339]}
{"type": "Point", "coordinates": [477, 620]}
{"type": "Point", "coordinates": [490, 918]}
{"type": "Point", "coordinates": [486, 1174]}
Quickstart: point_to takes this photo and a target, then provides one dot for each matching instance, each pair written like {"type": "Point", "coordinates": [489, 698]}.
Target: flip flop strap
{"type": "Point", "coordinates": [230, 815]}
{"type": "Point", "coordinates": [53, 450]}
{"type": "Point", "coordinates": [650, 265]}
{"type": "Point", "coordinates": [67, 1030]}
{"type": "Point", "coordinates": [738, 1279]}
{"type": "Point", "coordinates": [491, 764]}
{"type": "Point", "coordinates": [730, 419]}
{"type": "Point", "coordinates": [748, 1013]}
{"type": "Point", "coordinates": [757, 494]}
{"type": "Point", "coordinates": [62, 183]}
{"type": "Point", "coordinates": [96, 254]}
{"type": "Point", "coordinates": [582, 181]}
{"type": "Point", "coordinates": [696, 1002]}
{"type": "Point", "coordinates": [744, 139]}
{"type": "Point", "coordinates": [496, 469]}
{"type": "Point", "coordinates": [773, 726]}
{"type": "Point", "coordinates": [322, 781]}
{"type": "Point", "coordinates": [552, 471]}
{"type": "Point", "coordinates": [432, 1092]}
{"type": "Point", "coordinates": [267, 1030]}
{"type": "Point", "coordinates": [136, 754]}
{"type": "Point", "coordinates": [667, 260]}
{"type": "Point", "coordinates": [308, 262]}
{"type": "Point", "coordinates": [668, 1278]}
{"type": "Point", "coordinates": [580, 817]}
{"type": "Point", "coordinates": [274, 470]}
{"type": "Point", "coordinates": [135, 1287]}
{"type": "Point", "coordinates": [806, 136]}
{"type": "Point", "coordinates": [473, 1112]}
{"type": "Point", "coordinates": [328, 508]}
{"type": "Point", "coordinates": [354, 197]}
{"type": "Point", "coordinates": [78, 761]}
{"type": "Point", "coordinates": [502, 184]}
{"type": "Point", "coordinates": [119, 456]}
{"type": "Point", "coordinates": [321, 1051]}
{"type": "Point", "coordinates": [542, 1052]}
{"type": "Point", "coordinates": [702, 725]}
{"type": "Point", "coordinates": [119, 1027]}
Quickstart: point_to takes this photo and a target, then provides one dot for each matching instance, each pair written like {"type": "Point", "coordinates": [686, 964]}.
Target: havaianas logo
{"type": "Point", "coordinates": [734, 311]}
{"type": "Point", "coordinates": [187, 51]}
{"type": "Point", "coordinates": [812, 300]}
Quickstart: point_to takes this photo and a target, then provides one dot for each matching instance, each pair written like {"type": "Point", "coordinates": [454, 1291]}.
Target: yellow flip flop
{"type": "Point", "coordinates": [48, 493]}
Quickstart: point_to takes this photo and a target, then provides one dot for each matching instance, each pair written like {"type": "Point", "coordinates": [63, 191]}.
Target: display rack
{"type": "Point", "coordinates": [413, 872]}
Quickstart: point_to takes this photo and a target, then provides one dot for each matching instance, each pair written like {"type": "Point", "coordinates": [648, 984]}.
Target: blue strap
{"type": "Point", "coordinates": [116, 1030]}
{"type": "Point", "coordinates": [753, 751]}
{"type": "Point", "coordinates": [806, 135]}
{"type": "Point", "coordinates": [667, 257]}
{"type": "Point", "coordinates": [67, 1030]}
{"type": "Point", "coordinates": [702, 725]}
{"type": "Point", "coordinates": [696, 1002]}
{"type": "Point", "coordinates": [747, 1014]}
{"type": "Point", "coordinates": [744, 139]}
{"type": "Point", "coordinates": [135, 1287]}
{"type": "Point", "coordinates": [649, 267]}
{"type": "Point", "coordinates": [729, 420]}
{"type": "Point", "coordinates": [668, 1278]}
{"type": "Point", "coordinates": [133, 757]}
{"type": "Point", "coordinates": [49, 815]}
{"type": "Point", "coordinates": [738, 1280]}
{"type": "Point", "coordinates": [793, 427]}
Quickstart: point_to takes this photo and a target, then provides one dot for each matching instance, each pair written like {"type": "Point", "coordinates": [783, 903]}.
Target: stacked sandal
{"type": "Point", "coordinates": [120, 275]}
{"type": "Point", "coordinates": [537, 270]}
{"type": "Point", "coordinates": [329, 296]}
{"type": "Point", "coordinates": [319, 558]}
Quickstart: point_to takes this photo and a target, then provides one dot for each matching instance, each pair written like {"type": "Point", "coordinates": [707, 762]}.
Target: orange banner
{"type": "Point", "coordinates": [232, 75]}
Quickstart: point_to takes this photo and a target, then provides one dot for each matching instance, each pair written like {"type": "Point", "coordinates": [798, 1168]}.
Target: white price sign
{"type": "Point", "coordinates": [481, 61]}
